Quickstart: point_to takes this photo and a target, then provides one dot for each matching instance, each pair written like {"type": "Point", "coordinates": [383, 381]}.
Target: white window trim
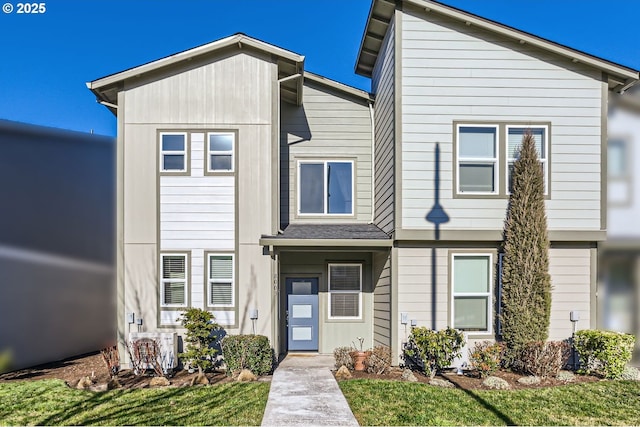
{"type": "Point", "coordinates": [545, 161]}
{"type": "Point", "coordinates": [326, 187]}
{"type": "Point", "coordinates": [489, 294]}
{"type": "Point", "coordinates": [173, 152]}
{"type": "Point", "coordinates": [483, 160]}
{"type": "Point", "coordinates": [210, 152]}
{"type": "Point", "coordinates": [210, 280]}
{"type": "Point", "coordinates": [163, 280]}
{"type": "Point", "coordinates": [359, 317]}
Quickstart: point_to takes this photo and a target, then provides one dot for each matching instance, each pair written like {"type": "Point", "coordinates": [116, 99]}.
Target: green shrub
{"type": "Point", "coordinates": [485, 357]}
{"type": "Point", "coordinates": [603, 352]}
{"type": "Point", "coordinates": [526, 284]}
{"type": "Point", "coordinates": [378, 360]}
{"type": "Point", "coordinates": [342, 356]}
{"type": "Point", "coordinates": [432, 351]}
{"type": "Point", "coordinates": [200, 326]}
{"type": "Point", "coordinates": [251, 352]}
{"type": "Point", "coordinates": [544, 359]}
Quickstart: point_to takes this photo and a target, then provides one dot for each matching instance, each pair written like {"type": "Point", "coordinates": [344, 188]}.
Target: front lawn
{"type": "Point", "coordinates": [380, 402]}
{"type": "Point", "coordinates": [51, 402]}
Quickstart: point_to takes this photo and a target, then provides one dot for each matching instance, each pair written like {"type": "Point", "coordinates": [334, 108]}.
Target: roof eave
{"type": "Point", "coordinates": [628, 75]}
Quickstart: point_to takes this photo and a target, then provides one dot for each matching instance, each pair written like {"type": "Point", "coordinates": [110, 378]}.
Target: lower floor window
{"type": "Point", "coordinates": [173, 289]}
{"type": "Point", "coordinates": [345, 290]}
{"type": "Point", "coordinates": [472, 292]}
{"type": "Point", "coordinates": [221, 280]}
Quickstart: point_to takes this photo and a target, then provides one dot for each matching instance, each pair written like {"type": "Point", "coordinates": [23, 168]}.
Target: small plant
{"type": "Point", "coordinates": [361, 341]}
{"type": "Point", "coordinates": [485, 357]}
{"type": "Point", "coordinates": [544, 359]}
{"type": "Point", "coordinates": [111, 359]}
{"type": "Point", "coordinates": [603, 352]}
{"type": "Point", "coordinates": [342, 356]}
{"type": "Point", "coordinates": [251, 352]}
{"type": "Point", "coordinates": [200, 325]}
{"type": "Point", "coordinates": [432, 351]}
{"type": "Point", "coordinates": [378, 360]}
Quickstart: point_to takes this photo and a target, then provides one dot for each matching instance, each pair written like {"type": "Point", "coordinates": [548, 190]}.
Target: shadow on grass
{"type": "Point", "coordinates": [488, 406]}
{"type": "Point", "coordinates": [204, 405]}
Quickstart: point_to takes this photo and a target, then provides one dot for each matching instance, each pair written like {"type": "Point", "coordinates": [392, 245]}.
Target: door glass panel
{"type": "Point", "coordinates": [301, 288]}
{"type": "Point", "coordinates": [301, 311]}
{"type": "Point", "coordinates": [301, 333]}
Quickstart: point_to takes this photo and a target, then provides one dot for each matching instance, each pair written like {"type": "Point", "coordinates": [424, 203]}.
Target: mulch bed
{"type": "Point", "coordinates": [92, 366]}
{"type": "Point", "coordinates": [470, 381]}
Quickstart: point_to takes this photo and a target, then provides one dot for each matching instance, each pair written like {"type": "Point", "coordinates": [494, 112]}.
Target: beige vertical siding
{"type": "Point", "coordinates": [329, 125]}
{"type": "Point", "coordinates": [383, 86]}
{"type": "Point", "coordinates": [382, 302]}
{"type": "Point", "coordinates": [200, 213]}
{"type": "Point", "coordinates": [456, 72]}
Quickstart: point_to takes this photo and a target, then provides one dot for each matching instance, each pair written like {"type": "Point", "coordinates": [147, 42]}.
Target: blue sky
{"type": "Point", "coordinates": [46, 59]}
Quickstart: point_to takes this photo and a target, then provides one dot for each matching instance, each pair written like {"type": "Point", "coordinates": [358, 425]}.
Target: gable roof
{"type": "Point", "coordinates": [382, 11]}
{"type": "Point", "coordinates": [289, 64]}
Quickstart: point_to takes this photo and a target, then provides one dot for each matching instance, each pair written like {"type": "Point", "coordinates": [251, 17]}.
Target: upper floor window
{"type": "Point", "coordinates": [477, 159]}
{"type": "Point", "coordinates": [485, 154]}
{"type": "Point", "coordinates": [471, 280]}
{"type": "Point", "coordinates": [617, 158]}
{"type": "Point", "coordinates": [325, 187]}
{"type": "Point", "coordinates": [220, 149]}
{"type": "Point", "coordinates": [515, 134]}
{"type": "Point", "coordinates": [345, 290]}
{"type": "Point", "coordinates": [173, 152]}
{"type": "Point", "coordinates": [173, 286]}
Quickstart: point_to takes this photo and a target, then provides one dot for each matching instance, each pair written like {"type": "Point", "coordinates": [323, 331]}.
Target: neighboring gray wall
{"type": "Point", "coordinates": [452, 71]}
{"type": "Point", "coordinates": [383, 88]}
{"type": "Point", "coordinates": [382, 298]}
{"type": "Point", "coordinates": [57, 243]}
{"type": "Point", "coordinates": [328, 125]}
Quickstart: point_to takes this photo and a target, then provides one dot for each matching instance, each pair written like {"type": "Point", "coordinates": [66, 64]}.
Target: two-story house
{"type": "Point", "coordinates": [296, 207]}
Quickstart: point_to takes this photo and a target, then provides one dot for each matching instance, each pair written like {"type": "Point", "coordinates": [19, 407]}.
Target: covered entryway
{"type": "Point", "coordinates": [302, 314]}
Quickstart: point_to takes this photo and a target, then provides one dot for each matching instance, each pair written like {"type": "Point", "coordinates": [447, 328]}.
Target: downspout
{"type": "Point", "coordinates": [373, 163]}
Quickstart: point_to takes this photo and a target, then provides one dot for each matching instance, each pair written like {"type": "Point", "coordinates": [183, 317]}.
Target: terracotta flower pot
{"type": "Point", "coordinates": [358, 358]}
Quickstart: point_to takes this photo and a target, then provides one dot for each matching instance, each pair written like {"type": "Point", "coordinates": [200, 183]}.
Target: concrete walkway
{"type": "Point", "coordinates": [304, 392]}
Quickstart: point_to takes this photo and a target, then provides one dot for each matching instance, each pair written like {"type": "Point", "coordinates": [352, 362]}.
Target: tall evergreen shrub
{"type": "Point", "coordinates": [526, 285]}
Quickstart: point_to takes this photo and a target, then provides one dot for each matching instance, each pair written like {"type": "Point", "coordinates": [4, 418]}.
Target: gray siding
{"type": "Point", "coordinates": [382, 298]}
{"type": "Point", "coordinates": [453, 72]}
{"type": "Point", "coordinates": [383, 86]}
{"type": "Point", "coordinates": [327, 126]}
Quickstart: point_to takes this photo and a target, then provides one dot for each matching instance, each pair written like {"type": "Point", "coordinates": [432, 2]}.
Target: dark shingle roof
{"type": "Point", "coordinates": [333, 231]}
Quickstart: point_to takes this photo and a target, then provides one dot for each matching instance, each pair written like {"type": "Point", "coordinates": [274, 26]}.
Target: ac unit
{"type": "Point", "coordinates": [167, 346]}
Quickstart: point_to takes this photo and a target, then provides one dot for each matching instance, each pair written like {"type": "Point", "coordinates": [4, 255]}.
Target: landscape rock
{"type": "Point", "coordinates": [113, 384]}
{"type": "Point", "coordinates": [84, 383]}
{"type": "Point", "coordinates": [496, 383]}
{"type": "Point", "coordinates": [438, 382]}
{"type": "Point", "coordinates": [630, 374]}
{"type": "Point", "coordinates": [98, 387]}
{"type": "Point", "coordinates": [530, 380]}
{"type": "Point", "coordinates": [159, 382]}
{"type": "Point", "coordinates": [566, 376]}
{"type": "Point", "coordinates": [200, 379]}
{"type": "Point", "coordinates": [408, 375]}
{"type": "Point", "coordinates": [343, 373]}
{"type": "Point", "coordinates": [246, 376]}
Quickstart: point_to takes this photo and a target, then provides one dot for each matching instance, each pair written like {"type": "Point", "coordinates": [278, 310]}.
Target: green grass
{"type": "Point", "coordinates": [379, 402]}
{"type": "Point", "coordinates": [53, 403]}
